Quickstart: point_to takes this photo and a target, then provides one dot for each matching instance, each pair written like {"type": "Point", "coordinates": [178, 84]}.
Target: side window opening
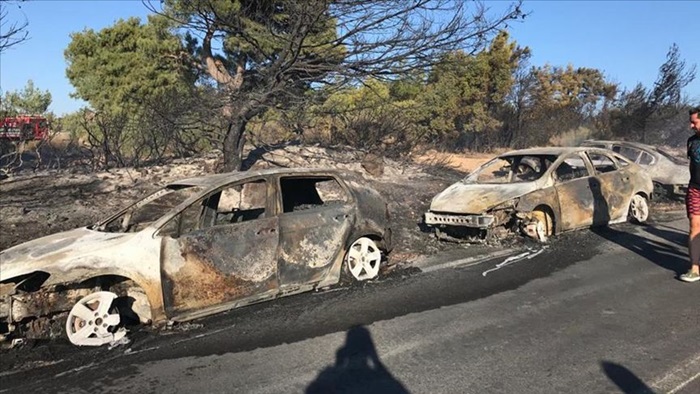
{"type": "Point", "coordinates": [234, 204]}
{"type": "Point", "coordinates": [622, 160]}
{"type": "Point", "coordinates": [646, 159]}
{"type": "Point", "coordinates": [571, 168]}
{"type": "Point", "coordinates": [237, 204]}
{"type": "Point", "coordinates": [185, 222]}
{"type": "Point", "coordinates": [300, 194]}
{"type": "Point", "coordinates": [602, 163]}
{"type": "Point", "coordinates": [630, 153]}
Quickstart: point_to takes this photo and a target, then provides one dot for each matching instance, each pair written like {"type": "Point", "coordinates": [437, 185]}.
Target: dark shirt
{"type": "Point", "coordinates": [694, 156]}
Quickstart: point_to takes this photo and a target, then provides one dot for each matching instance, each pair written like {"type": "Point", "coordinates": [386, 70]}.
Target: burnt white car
{"type": "Point", "coordinates": [193, 248]}
{"type": "Point", "coordinates": [541, 192]}
{"type": "Point", "coordinates": [669, 172]}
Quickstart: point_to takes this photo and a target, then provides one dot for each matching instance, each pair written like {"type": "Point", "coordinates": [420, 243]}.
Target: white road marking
{"type": "Point", "coordinates": [75, 370]}
{"type": "Point", "coordinates": [683, 384]}
{"type": "Point", "coordinates": [514, 259]}
{"type": "Point", "coordinates": [28, 367]}
{"type": "Point", "coordinates": [680, 377]}
{"type": "Point", "coordinates": [466, 262]}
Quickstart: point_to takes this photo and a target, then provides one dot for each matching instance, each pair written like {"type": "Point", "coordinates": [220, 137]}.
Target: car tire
{"type": "Point", "coordinates": [639, 209]}
{"type": "Point", "coordinates": [362, 260]}
{"type": "Point", "coordinates": [661, 191]}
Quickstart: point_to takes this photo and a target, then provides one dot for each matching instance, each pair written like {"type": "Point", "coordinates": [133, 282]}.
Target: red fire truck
{"type": "Point", "coordinates": [24, 128]}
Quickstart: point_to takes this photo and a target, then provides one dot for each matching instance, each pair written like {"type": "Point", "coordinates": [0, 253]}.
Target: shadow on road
{"type": "Point", "coordinates": [660, 253]}
{"type": "Point", "coordinates": [625, 379]}
{"type": "Point", "coordinates": [357, 369]}
{"type": "Point", "coordinates": [670, 234]}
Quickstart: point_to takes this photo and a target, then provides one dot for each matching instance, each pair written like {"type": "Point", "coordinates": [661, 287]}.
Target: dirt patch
{"type": "Point", "coordinates": [464, 162]}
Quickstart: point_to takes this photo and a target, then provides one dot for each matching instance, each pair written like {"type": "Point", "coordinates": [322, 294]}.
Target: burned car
{"type": "Point", "coordinates": [669, 172]}
{"type": "Point", "coordinates": [541, 192]}
{"type": "Point", "coordinates": [193, 248]}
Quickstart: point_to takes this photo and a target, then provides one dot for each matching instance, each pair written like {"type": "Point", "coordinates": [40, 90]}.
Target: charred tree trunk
{"type": "Point", "coordinates": [234, 141]}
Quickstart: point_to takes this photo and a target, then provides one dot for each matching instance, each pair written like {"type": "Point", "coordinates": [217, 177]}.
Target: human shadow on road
{"type": "Point", "coordinates": [625, 379]}
{"type": "Point", "coordinates": [679, 238]}
{"type": "Point", "coordinates": [660, 253]}
{"type": "Point", "coordinates": [357, 369]}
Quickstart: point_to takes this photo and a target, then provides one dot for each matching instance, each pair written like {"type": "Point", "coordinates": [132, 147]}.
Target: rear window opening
{"type": "Point", "coordinates": [299, 194]}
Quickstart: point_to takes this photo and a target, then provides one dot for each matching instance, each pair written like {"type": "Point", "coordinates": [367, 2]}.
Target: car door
{"type": "Point", "coordinates": [221, 249]}
{"type": "Point", "coordinates": [317, 215]}
{"type": "Point", "coordinates": [612, 187]}
{"type": "Point", "coordinates": [572, 184]}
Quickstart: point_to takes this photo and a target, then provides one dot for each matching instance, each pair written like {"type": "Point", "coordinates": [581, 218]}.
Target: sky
{"type": "Point", "coordinates": [627, 40]}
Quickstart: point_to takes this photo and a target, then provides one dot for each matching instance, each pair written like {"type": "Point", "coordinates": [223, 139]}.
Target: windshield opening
{"type": "Point", "coordinates": [148, 210]}
{"type": "Point", "coordinates": [512, 169]}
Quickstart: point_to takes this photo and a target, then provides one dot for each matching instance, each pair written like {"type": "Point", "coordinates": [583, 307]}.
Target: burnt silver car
{"type": "Point", "coordinates": [193, 248]}
{"type": "Point", "coordinates": [541, 192]}
{"type": "Point", "coordinates": [669, 172]}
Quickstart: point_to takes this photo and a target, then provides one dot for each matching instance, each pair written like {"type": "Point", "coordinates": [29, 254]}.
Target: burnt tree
{"type": "Point", "coordinates": [261, 54]}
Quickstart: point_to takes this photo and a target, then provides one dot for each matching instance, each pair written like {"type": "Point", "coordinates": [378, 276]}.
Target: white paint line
{"type": "Point", "coordinates": [74, 370]}
{"type": "Point", "coordinates": [331, 290]}
{"type": "Point", "coordinates": [683, 384]}
{"type": "Point", "coordinates": [510, 260]}
{"type": "Point", "coordinates": [513, 259]}
{"type": "Point", "coordinates": [129, 352]}
{"type": "Point", "coordinates": [207, 334]}
{"type": "Point", "coordinates": [679, 377]}
{"type": "Point", "coordinates": [26, 368]}
{"type": "Point", "coordinates": [467, 262]}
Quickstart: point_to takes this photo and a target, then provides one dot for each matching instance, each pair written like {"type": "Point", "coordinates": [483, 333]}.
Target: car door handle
{"type": "Point", "coordinates": [266, 231]}
{"type": "Point", "coordinates": [341, 217]}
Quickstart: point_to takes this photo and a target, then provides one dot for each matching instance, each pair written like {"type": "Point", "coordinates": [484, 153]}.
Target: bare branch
{"type": "Point", "coordinates": [11, 33]}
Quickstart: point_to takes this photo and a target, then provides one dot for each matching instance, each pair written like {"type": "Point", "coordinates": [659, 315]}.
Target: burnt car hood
{"type": "Point", "coordinates": [43, 253]}
{"type": "Point", "coordinates": [473, 198]}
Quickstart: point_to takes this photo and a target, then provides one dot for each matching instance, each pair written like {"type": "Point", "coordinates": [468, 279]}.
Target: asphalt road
{"type": "Point", "coordinates": [591, 312]}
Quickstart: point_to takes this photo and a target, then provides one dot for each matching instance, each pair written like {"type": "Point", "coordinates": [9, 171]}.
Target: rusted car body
{"type": "Point", "coordinates": [541, 192]}
{"type": "Point", "coordinates": [669, 172]}
{"type": "Point", "coordinates": [197, 247]}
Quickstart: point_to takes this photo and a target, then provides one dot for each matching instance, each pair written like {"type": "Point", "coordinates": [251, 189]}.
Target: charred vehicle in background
{"type": "Point", "coordinates": [193, 248]}
{"type": "Point", "coordinates": [541, 192]}
{"type": "Point", "coordinates": [669, 172]}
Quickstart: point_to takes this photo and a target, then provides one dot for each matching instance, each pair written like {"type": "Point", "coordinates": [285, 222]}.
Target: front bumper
{"type": "Point", "coordinates": [459, 220]}
{"type": "Point", "coordinates": [680, 189]}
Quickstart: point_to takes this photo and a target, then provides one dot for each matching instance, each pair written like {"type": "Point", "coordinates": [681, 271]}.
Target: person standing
{"type": "Point", "coordinates": [692, 199]}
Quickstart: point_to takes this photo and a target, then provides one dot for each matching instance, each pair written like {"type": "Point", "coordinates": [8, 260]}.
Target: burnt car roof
{"type": "Point", "coordinates": [216, 180]}
{"type": "Point", "coordinates": [552, 150]}
{"type": "Point", "coordinates": [638, 145]}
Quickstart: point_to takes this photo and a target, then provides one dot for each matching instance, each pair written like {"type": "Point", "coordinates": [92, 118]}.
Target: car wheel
{"type": "Point", "coordinates": [639, 209]}
{"type": "Point", "coordinates": [660, 190]}
{"type": "Point", "coordinates": [362, 259]}
{"type": "Point", "coordinates": [93, 321]}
